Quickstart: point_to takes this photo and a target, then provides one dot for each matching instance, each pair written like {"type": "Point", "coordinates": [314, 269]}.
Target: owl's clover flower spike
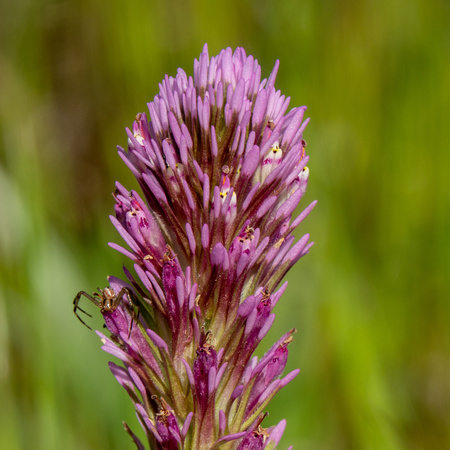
{"type": "Point", "coordinates": [221, 165]}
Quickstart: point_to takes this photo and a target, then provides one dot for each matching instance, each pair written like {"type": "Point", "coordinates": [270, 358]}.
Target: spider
{"type": "Point", "coordinates": [107, 300]}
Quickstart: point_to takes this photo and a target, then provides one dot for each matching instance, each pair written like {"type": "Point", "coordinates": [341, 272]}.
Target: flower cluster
{"type": "Point", "coordinates": [222, 167]}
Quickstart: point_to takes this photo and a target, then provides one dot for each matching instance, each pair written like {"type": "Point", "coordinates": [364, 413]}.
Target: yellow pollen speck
{"type": "Point", "coordinates": [278, 243]}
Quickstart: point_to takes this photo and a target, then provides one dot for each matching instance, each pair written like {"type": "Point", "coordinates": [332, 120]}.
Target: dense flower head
{"type": "Point", "coordinates": [222, 168]}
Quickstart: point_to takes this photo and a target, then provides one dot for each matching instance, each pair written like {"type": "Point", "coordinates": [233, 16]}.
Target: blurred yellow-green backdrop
{"type": "Point", "coordinates": [371, 300]}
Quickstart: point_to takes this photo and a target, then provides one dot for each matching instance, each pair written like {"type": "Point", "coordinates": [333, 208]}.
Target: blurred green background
{"type": "Point", "coordinates": [371, 300]}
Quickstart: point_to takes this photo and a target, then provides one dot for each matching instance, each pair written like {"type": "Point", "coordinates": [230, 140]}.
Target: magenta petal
{"type": "Point", "coordinates": [231, 437]}
{"type": "Point", "coordinates": [247, 306]}
{"type": "Point", "coordinates": [259, 110]}
{"type": "Point", "coordinates": [137, 381]}
{"type": "Point", "coordinates": [121, 376]}
{"type": "Point", "coordinates": [277, 433]}
{"type": "Point", "coordinates": [289, 377]}
{"type": "Point", "coordinates": [251, 161]}
{"type": "Point", "coordinates": [293, 126]}
{"type": "Point", "coordinates": [266, 206]}
{"type": "Point", "coordinates": [218, 255]}
{"type": "Point", "coordinates": [273, 74]}
{"type": "Point", "coordinates": [186, 424]}
{"type": "Point", "coordinates": [297, 249]}
{"type": "Point", "coordinates": [222, 422]}
{"type": "Point", "coordinates": [159, 342]}
{"type": "Point", "coordinates": [288, 207]}
{"type": "Point", "coordinates": [303, 214]}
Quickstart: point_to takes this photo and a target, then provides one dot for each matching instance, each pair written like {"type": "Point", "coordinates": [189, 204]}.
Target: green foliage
{"type": "Point", "coordinates": [370, 301]}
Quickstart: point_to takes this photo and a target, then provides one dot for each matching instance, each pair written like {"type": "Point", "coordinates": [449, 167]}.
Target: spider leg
{"type": "Point", "coordinates": [117, 299]}
{"type": "Point", "coordinates": [76, 301]}
{"type": "Point", "coordinates": [134, 303]}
